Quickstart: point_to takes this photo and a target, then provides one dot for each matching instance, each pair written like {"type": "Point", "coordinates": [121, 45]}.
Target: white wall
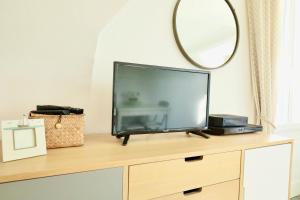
{"type": "Point", "coordinates": [47, 51]}
{"type": "Point", "coordinates": [49, 54]}
{"type": "Point", "coordinates": [142, 33]}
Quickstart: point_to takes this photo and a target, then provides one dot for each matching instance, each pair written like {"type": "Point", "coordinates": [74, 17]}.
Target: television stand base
{"type": "Point", "coordinates": [199, 133]}
{"type": "Point", "coordinates": [126, 138]}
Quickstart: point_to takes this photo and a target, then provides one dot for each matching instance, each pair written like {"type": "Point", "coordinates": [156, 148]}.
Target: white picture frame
{"type": "Point", "coordinates": [23, 141]}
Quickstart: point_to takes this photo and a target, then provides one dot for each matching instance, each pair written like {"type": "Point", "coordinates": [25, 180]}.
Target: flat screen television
{"type": "Point", "coordinates": [154, 99]}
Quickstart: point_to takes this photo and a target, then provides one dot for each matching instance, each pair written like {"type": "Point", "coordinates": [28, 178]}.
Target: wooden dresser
{"type": "Point", "coordinates": [172, 166]}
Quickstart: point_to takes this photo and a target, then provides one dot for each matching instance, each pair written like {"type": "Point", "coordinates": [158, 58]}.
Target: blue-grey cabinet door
{"type": "Point", "coordinates": [103, 184]}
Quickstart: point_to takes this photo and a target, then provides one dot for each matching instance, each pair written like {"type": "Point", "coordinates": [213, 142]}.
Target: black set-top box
{"type": "Point", "coordinates": [222, 120]}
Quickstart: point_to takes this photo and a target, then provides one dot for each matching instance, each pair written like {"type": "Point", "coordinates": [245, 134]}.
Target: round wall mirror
{"type": "Point", "coordinates": [206, 31]}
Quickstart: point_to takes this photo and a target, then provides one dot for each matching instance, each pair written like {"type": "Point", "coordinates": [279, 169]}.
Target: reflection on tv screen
{"type": "Point", "coordinates": [149, 98]}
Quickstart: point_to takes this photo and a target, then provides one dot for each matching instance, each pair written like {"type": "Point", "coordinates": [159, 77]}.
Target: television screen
{"type": "Point", "coordinates": [151, 99]}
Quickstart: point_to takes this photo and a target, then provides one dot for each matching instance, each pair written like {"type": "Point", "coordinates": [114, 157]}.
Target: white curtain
{"type": "Point", "coordinates": [288, 105]}
{"type": "Point", "coordinates": [266, 27]}
{"type": "Point", "coordinates": [275, 46]}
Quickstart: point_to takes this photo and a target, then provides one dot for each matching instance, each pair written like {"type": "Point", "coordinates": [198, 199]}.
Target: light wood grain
{"type": "Point", "coordinates": [161, 178]}
{"type": "Point", "coordinates": [241, 191]}
{"type": "Point", "coordinates": [104, 151]}
{"type": "Point", "coordinates": [223, 191]}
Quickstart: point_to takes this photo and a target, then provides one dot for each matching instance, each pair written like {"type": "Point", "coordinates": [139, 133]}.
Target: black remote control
{"type": "Point", "coordinates": [53, 107]}
{"type": "Point", "coordinates": [51, 112]}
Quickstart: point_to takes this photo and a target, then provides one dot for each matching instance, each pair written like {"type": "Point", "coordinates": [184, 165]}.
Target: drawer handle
{"type": "Point", "coordinates": [194, 158]}
{"type": "Point", "coordinates": [192, 191]}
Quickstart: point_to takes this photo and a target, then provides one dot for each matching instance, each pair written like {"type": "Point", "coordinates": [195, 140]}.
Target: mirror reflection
{"type": "Point", "coordinates": [206, 31]}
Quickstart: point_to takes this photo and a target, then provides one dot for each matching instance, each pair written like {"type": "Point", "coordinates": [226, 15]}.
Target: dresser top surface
{"type": "Point", "coordinates": [104, 151]}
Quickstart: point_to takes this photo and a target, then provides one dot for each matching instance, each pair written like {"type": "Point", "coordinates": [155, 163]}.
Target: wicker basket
{"type": "Point", "coordinates": [62, 130]}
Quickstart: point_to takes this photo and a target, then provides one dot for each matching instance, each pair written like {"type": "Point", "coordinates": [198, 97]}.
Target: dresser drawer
{"type": "Point", "coordinates": [152, 180]}
{"type": "Point", "coordinates": [223, 191]}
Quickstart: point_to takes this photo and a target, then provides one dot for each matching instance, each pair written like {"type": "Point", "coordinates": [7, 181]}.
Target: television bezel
{"type": "Point", "coordinates": [136, 132]}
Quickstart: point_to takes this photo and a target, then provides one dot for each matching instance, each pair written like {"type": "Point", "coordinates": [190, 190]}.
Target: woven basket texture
{"type": "Point", "coordinates": [70, 133]}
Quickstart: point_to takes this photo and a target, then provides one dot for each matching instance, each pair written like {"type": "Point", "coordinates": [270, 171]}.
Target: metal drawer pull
{"type": "Point", "coordinates": [192, 191]}
{"type": "Point", "coordinates": [194, 158]}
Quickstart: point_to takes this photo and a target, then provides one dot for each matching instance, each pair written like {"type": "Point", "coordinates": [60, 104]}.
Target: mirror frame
{"type": "Point", "coordinates": [186, 55]}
